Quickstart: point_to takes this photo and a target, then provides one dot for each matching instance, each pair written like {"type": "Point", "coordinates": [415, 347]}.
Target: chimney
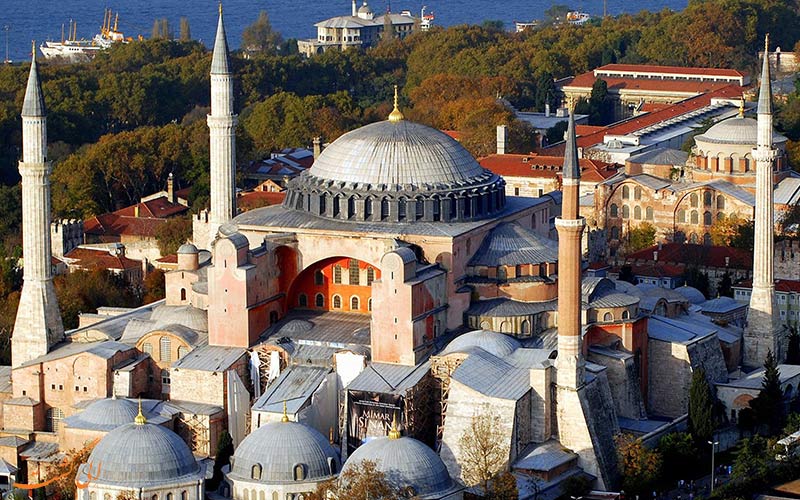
{"type": "Point", "coordinates": [318, 140]}
{"type": "Point", "coordinates": [547, 110]}
{"type": "Point", "coordinates": [562, 112]}
{"type": "Point", "coordinates": [170, 188]}
{"type": "Point", "coordinates": [502, 137]}
{"type": "Point", "coordinates": [355, 9]}
{"type": "Point", "coordinates": [136, 210]}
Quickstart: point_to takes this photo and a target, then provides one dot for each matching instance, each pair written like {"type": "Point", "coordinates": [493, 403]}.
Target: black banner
{"type": "Point", "coordinates": [370, 415]}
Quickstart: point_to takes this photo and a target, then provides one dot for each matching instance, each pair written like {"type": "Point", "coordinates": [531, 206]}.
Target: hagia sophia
{"type": "Point", "coordinates": [397, 294]}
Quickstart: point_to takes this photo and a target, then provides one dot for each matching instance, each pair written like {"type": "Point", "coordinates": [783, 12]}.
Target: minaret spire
{"type": "Point", "coordinates": [38, 325]}
{"type": "Point", "coordinates": [222, 125]}
{"type": "Point", "coordinates": [763, 331]}
{"type": "Point", "coordinates": [570, 362]}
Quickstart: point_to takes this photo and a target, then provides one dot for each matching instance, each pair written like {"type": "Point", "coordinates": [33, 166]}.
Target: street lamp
{"type": "Point", "coordinates": [713, 452]}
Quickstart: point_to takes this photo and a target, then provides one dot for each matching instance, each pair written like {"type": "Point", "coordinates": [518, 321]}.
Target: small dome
{"type": "Point", "coordinates": [364, 9]}
{"type": "Point", "coordinates": [278, 448]}
{"type": "Point", "coordinates": [187, 248]}
{"type": "Point", "coordinates": [407, 463]}
{"type": "Point", "coordinates": [738, 130]}
{"type": "Point", "coordinates": [139, 455]}
{"type": "Point", "coordinates": [498, 344]}
{"type": "Point", "coordinates": [188, 316]}
{"type": "Point", "coordinates": [692, 294]}
{"type": "Point", "coordinates": [110, 412]}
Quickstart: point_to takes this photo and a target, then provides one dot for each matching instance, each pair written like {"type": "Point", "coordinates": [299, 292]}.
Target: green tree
{"type": "Point", "coordinates": [154, 286]}
{"type": "Point", "coordinates": [641, 237]}
{"type": "Point", "coordinates": [173, 233]}
{"type": "Point", "coordinates": [701, 408]}
{"type": "Point", "coordinates": [85, 291]}
{"type": "Point", "coordinates": [768, 406]}
{"type": "Point", "coordinates": [725, 288]}
{"type": "Point", "coordinates": [259, 37]}
{"type": "Point", "coordinates": [751, 463]}
{"type": "Point", "coordinates": [483, 455]}
{"type": "Point", "coordinates": [359, 481]}
{"type": "Point", "coordinates": [221, 459]}
{"type": "Point", "coordinates": [744, 238]}
{"type": "Point", "coordinates": [680, 455]}
{"type": "Point", "coordinates": [640, 467]}
{"type": "Point", "coordinates": [556, 132]}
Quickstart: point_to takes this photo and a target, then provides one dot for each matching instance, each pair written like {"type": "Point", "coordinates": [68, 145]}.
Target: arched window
{"type": "Point", "coordinates": [501, 273]}
{"type": "Point", "coordinates": [626, 192]}
{"type": "Point", "coordinates": [681, 216]}
{"type": "Point", "coordinates": [637, 212]}
{"type": "Point", "coordinates": [107, 496]}
{"type": "Point", "coordinates": [165, 349]}
{"type": "Point", "coordinates": [637, 193]}
{"type": "Point", "coordinates": [355, 277]}
{"type": "Point", "coordinates": [169, 496]}
{"type": "Point", "coordinates": [275, 495]}
{"type": "Point", "coordinates": [679, 237]}
{"type": "Point", "coordinates": [648, 213]}
{"type": "Point", "coordinates": [401, 209]}
{"type": "Point", "coordinates": [53, 418]}
{"type": "Point", "coordinates": [299, 472]}
{"type": "Point", "coordinates": [262, 495]}
{"type": "Point", "coordinates": [322, 203]}
{"type": "Point", "coordinates": [525, 328]}
{"type": "Point", "coordinates": [626, 314]}
{"type": "Point", "coordinates": [626, 212]}
{"type": "Point", "coordinates": [720, 202]}
{"type": "Point", "coordinates": [302, 300]}
{"type": "Point", "coordinates": [154, 497]}
{"type": "Point", "coordinates": [707, 198]}
{"type": "Point", "coordinates": [332, 469]}
{"type": "Point", "coordinates": [183, 294]}
{"type": "Point", "coordinates": [607, 317]}
{"type": "Point", "coordinates": [707, 239]}
{"type": "Point", "coordinates": [337, 274]}
{"type": "Point", "coordinates": [693, 238]}
{"type": "Point", "coordinates": [370, 276]}
{"type": "Point", "coordinates": [707, 218]}
{"type": "Point", "coordinates": [369, 305]}
{"type": "Point", "coordinates": [420, 208]}
{"type": "Point", "coordinates": [319, 300]}
{"type": "Point", "coordinates": [368, 208]}
{"type": "Point", "coordinates": [614, 233]}
{"type": "Point", "coordinates": [255, 472]}
{"type": "Point", "coordinates": [504, 327]}
{"type": "Point", "coordinates": [319, 278]}
{"type": "Point", "coordinates": [614, 210]}
{"type": "Point", "coordinates": [693, 200]}
{"type": "Point", "coordinates": [92, 495]}
{"type": "Point", "coordinates": [184, 495]}
{"type": "Point", "coordinates": [695, 217]}
{"type": "Point", "coordinates": [384, 208]}
{"type": "Point", "coordinates": [182, 351]}
{"type": "Point", "coordinates": [148, 348]}
{"type": "Point", "coordinates": [354, 303]}
{"type": "Point", "coordinates": [337, 302]}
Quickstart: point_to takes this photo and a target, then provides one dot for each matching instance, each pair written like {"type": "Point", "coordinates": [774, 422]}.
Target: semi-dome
{"type": "Point", "coordinates": [273, 452]}
{"type": "Point", "coordinates": [139, 455]}
{"type": "Point", "coordinates": [498, 344]}
{"type": "Point", "coordinates": [407, 464]}
{"type": "Point", "coordinates": [397, 171]}
{"type": "Point", "coordinates": [189, 316]}
{"type": "Point", "coordinates": [739, 130]}
{"type": "Point", "coordinates": [187, 248]}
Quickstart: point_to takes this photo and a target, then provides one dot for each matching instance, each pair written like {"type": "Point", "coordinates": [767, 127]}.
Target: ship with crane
{"type": "Point", "coordinates": [73, 49]}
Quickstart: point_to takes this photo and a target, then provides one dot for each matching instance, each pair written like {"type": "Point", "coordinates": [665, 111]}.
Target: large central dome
{"type": "Point", "coordinates": [396, 153]}
{"type": "Point", "coordinates": [397, 171]}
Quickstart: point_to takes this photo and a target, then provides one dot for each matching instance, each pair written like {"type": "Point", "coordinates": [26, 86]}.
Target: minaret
{"type": "Point", "coordinates": [763, 331]}
{"type": "Point", "coordinates": [570, 363]}
{"type": "Point", "coordinates": [38, 325]}
{"type": "Point", "coordinates": [222, 125]}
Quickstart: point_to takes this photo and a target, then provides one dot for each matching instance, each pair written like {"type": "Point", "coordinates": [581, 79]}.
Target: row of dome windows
{"type": "Point", "coordinates": [609, 317]}
{"type": "Point", "coordinates": [434, 208]}
{"type": "Point", "coordinates": [261, 495]}
{"type": "Point", "coordinates": [168, 496]}
{"type": "Point", "coordinates": [694, 199]}
{"type": "Point", "coordinates": [694, 217]}
{"type": "Point", "coordinates": [164, 349]}
{"type": "Point", "coordinates": [336, 301]}
{"type": "Point", "coordinates": [299, 471]}
{"type": "Point", "coordinates": [626, 212]}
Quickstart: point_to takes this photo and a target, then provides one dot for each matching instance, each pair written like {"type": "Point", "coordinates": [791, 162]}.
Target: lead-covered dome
{"type": "Point", "coordinates": [397, 171]}
{"type": "Point", "coordinates": [284, 452]}
{"type": "Point", "coordinates": [739, 130]}
{"type": "Point", "coordinates": [407, 464]}
{"type": "Point", "coordinates": [140, 455]}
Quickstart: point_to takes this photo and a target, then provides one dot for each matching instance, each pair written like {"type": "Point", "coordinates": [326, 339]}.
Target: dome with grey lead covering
{"type": "Point", "coordinates": [498, 344]}
{"type": "Point", "coordinates": [109, 413]}
{"type": "Point", "coordinates": [140, 455]}
{"type": "Point", "coordinates": [272, 453]}
{"type": "Point", "coordinates": [187, 248]}
{"type": "Point", "coordinates": [408, 465]}
{"type": "Point", "coordinates": [739, 130]}
{"type": "Point", "coordinates": [397, 171]}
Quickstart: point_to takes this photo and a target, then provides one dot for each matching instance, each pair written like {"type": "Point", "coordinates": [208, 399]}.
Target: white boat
{"type": "Point", "coordinates": [72, 49]}
{"type": "Point", "coordinates": [577, 17]}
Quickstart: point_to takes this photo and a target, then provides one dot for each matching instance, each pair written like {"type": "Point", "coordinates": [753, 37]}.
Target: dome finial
{"type": "Point", "coordinates": [396, 115]}
{"type": "Point", "coordinates": [220, 8]}
{"type": "Point", "coordinates": [741, 107]}
{"type": "Point", "coordinates": [393, 432]}
{"type": "Point", "coordinates": [140, 420]}
{"type": "Point", "coordinates": [285, 417]}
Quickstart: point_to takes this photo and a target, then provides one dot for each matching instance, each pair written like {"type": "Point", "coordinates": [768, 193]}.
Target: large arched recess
{"type": "Point", "coordinates": [308, 283]}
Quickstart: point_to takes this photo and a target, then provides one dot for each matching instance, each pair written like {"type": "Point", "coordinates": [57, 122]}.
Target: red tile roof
{"type": "Point", "coordinates": [152, 214]}
{"type": "Point", "coordinates": [789, 286]}
{"type": "Point", "coordinates": [586, 80]}
{"type": "Point", "coordinates": [455, 134]}
{"type": "Point", "coordinates": [535, 166]}
{"type": "Point", "coordinates": [169, 259]}
{"type": "Point", "coordinates": [91, 259]}
{"type": "Point", "coordinates": [702, 255]}
{"type": "Point", "coordinates": [258, 199]}
{"type": "Point", "coordinates": [677, 70]}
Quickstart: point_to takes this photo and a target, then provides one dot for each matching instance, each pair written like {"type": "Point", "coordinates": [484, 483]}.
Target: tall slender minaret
{"type": "Point", "coordinates": [38, 325]}
{"type": "Point", "coordinates": [570, 363]}
{"type": "Point", "coordinates": [222, 126]}
{"type": "Point", "coordinates": [763, 331]}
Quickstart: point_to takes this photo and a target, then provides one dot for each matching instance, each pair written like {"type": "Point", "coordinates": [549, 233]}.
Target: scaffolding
{"type": "Point", "coordinates": [442, 368]}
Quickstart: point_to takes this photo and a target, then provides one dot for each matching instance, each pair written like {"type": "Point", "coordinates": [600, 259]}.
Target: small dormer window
{"type": "Point", "coordinates": [299, 472]}
{"type": "Point", "coordinates": [255, 472]}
